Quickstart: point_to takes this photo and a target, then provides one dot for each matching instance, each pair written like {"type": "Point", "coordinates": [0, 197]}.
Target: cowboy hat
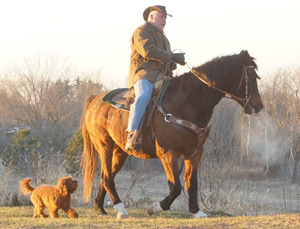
{"type": "Point", "coordinates": [153, 8]}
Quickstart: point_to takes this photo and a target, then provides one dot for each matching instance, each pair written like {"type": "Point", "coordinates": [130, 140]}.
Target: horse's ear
{"type": "Point", "coordinates": [247, 60]}
{"type": "Point", "coordinates": [244, 53]}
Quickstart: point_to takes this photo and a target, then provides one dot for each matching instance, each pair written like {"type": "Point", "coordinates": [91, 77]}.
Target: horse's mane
{"type": "Point", "coordinates": [220, 67]}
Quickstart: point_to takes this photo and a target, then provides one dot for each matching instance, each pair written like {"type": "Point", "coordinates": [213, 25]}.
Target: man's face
{"type": "Point", "coordinates": [159, 20]}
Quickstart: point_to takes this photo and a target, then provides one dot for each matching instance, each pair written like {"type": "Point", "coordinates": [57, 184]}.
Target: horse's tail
{"type": "Point", "coordinates": [89, 155]}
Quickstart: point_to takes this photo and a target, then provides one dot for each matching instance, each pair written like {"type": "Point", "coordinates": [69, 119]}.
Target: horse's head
{"type": "Point", "coordinates": [234, 75]}
{"type": "Point", "coordinates": [247, 87]}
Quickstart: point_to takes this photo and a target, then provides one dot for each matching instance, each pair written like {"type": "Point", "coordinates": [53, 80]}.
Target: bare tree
{"type": "Point", "coordinates": [46, 95]}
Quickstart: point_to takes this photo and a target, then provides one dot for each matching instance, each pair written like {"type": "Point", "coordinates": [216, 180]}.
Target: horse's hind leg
{"type": "Point", "coordinates": [99, 200]}
{"type": "Point", "coordinates": [191, 184]}
{"type": "Point", "coordinates": [118, 161]}
{"type": "Point", "coordinates": [105, 146]}
{"type": "Point", "coordinates": [170, 164]}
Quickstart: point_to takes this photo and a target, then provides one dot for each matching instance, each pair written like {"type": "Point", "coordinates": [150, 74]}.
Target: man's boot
{"type": "Point", "coordinates": [133, 142]}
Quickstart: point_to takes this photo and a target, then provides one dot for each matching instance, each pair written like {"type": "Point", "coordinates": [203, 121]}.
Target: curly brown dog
{"type": "Point", "coordinates": [54, 198]}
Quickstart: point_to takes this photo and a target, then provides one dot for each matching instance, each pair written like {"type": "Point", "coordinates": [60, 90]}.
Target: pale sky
{"type": "Point", "coordinates": [95, 34]}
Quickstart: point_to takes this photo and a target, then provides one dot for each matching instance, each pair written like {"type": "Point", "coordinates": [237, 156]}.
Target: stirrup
{"type": "Point", "coordinates": [133, 143]}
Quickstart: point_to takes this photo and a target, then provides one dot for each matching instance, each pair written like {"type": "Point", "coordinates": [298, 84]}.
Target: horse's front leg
{"type": "Point", "coordinates": [191, 184]}
{"type": "Point", "coordinates": [170, 164]}
{"type": "Point", "coordinates": [119, 158]}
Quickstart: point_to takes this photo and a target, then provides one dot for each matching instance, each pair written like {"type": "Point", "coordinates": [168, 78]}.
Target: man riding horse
{"type": "Point", "coordinates": [151, 60]}
{"type": "Point", "coordinates": [179, 125]}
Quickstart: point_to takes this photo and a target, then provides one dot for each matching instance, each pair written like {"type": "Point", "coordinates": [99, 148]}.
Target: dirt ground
{"type": "Point", "coordinates": [253, 197]}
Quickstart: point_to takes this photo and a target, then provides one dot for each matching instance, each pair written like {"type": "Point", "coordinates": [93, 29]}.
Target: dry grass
{"type": "Point", "coordinates": [270, 203]}
{"type": "Point", "coordinates": [238, 197]}
{"type": "Point", "coordinates": [20, 217]}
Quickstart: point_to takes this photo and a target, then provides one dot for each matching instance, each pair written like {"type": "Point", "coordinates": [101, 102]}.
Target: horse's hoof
{"type": "Point", "coordinates": [122, 213]}
{"type": "Point", "coordinates": [200, 214]}
{"type": "Point", "coordinates": [154, 208]}
{"type": "Point", "coordinates": [101, 211]}
{"type": "Point", "coordinates": [150, 210]}
{"type": "Point", "coordinates": [103, 214]}
{"type": "Point", "coordinates": [121, 216]}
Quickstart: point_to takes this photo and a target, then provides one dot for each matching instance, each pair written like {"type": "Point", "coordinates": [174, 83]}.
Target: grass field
{"type": "Point", "coordinates": [21, 217]}
{"type": "Point", "coordinates": [255, 204]}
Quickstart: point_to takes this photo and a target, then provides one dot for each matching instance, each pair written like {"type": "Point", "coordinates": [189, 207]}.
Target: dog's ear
{"type": "Point", "coordinates": [62, 185]}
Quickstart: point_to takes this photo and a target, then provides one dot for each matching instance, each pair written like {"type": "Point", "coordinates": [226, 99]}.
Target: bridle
{"type": "Point", "coordinates": [245, 76]}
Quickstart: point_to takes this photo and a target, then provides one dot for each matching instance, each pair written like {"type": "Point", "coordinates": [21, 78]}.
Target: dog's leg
{"type": "Point", "coordinates": [71, 213]}
{"type": "Point", "coordinates": [53, 212]}
{"type": "Point", "coordinates": [38, 211]}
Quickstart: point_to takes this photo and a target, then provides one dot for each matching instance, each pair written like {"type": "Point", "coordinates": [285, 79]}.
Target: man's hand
{"type": "Point", "coordinates": [178, 58]}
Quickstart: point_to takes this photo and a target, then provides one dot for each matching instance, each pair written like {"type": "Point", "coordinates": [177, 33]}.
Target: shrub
{"type": "Point", "coordinates": [23, 153]}
{"type": "Point", "coordinates": [72, 154]}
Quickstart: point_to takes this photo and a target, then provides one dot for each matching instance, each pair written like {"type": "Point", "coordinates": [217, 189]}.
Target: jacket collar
{"type": "Point", "coordinates": [151, 26]}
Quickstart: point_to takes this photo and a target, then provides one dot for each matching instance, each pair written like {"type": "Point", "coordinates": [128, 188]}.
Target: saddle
{"type": "Point", "coordinates": [122, 98]}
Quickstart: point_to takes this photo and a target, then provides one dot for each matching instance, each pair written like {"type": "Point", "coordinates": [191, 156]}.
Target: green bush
{"type": "Point", "coordinates": [23, 153]}
{"type": "Point", "coordinates": [73, 153]}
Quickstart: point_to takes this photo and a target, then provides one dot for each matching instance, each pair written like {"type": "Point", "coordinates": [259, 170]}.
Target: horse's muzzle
{"type": "Point", "coordinates": [258, 108]}
{"type": "Point", "coordinates": [249, 108]}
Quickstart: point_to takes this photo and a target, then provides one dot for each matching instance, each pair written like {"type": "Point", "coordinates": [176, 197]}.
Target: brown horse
{"type": "Point", "coordinates": [187, 98]}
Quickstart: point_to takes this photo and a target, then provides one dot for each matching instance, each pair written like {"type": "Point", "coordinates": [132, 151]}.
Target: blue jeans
{"type": "Point", "coordinates": [143, 92]}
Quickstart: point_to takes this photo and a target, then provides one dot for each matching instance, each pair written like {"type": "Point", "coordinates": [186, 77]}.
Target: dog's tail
{"type": "Point", "coordinates": [25, 187]}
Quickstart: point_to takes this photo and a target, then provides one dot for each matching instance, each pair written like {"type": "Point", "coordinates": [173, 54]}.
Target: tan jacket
{"type": "Point", "coordinates": [150, 54]}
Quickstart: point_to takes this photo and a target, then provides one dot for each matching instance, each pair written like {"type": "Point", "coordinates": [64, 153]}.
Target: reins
{"type": "Point", "coordinates": [245, 75]}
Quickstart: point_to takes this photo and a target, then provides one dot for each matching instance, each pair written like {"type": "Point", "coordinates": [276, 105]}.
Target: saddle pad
{"type": "Point", "coordinates": [108, 98]}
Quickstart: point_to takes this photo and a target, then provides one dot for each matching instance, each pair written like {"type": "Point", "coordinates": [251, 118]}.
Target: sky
{"type": "Point", "coordinates": [94, 35]}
